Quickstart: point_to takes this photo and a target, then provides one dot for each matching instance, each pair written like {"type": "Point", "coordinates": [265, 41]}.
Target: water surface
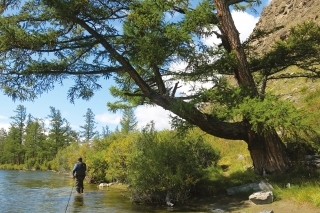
{"type": "Point", "coordinates": [49, 192]}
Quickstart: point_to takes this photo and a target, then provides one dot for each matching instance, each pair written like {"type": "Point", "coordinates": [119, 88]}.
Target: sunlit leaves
{"type": "Point", "coordinates": [164, 162]}
{"type": "Point", "coordinates": [273, 113]}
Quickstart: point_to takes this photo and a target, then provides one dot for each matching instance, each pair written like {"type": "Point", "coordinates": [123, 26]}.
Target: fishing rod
{"type": "Point", "coordinates": [69, 197]}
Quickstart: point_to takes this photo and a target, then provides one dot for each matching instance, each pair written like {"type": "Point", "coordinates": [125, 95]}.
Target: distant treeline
{"type": "Point", "coordinates": [31, 143]}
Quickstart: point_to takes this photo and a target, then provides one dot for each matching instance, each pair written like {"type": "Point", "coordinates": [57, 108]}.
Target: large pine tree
{"type": "Point", "coordinates": [137, 42]}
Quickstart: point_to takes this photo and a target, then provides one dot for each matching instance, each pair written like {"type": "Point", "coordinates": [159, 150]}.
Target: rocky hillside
{"type": "Point", "coordinates": [286, 13]}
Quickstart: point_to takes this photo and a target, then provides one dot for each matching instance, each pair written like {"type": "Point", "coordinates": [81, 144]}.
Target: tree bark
{"type": "Point", "coordinates": [268, 152]}
{"type": "Point", "coordinates": [231, 34]}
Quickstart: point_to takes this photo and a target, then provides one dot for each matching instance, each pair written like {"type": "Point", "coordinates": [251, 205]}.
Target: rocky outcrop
{"type": "Point", "coordinates": [284, 14]}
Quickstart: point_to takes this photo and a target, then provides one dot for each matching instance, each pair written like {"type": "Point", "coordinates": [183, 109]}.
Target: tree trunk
{"type": "Point", "coordinates": [267, 152]}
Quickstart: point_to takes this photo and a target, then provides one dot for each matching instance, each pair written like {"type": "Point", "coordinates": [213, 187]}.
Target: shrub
{"type": "Point", "coordinates": [167, 164]}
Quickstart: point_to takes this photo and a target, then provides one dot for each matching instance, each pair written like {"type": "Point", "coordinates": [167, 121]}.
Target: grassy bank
{"type": "Point", "coordinates": [236, 170]}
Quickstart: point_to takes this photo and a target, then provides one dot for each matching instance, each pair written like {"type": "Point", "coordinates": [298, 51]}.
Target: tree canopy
{"type": "Point", "coordinates": [44, 42]}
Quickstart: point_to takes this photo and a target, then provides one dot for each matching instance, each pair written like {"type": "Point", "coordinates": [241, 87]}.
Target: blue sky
{"type": "Point", "coordinates": [40, 108]}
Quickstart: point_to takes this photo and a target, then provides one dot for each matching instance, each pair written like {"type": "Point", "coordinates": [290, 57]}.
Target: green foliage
{"type": "Point", "coordinates": [300, 49]}
{"type": "Point", "coordinates": [149, 38]}
{"type": "Point", "coordinates": [35, 143]}
{"type": "Point", "coordinates": [293, 125]}
{"type": "Point", "coordinates": [60, 134]}
{"type": "Point", "coordinates": [165, 163]}
{"type": "Point", "coordinates": [200, 19]}
{"type": "Point", "coordinates": [224, 99]}
{"type": "Point", "coordinates": [97, 166]}
{"type": "Point", "coordinates": [88, 132]}
{"type": "Point", "coordinates": [128, 121]}
{"type": "Point", "coordinates": [118, 155]}
{"type": "Point", "coordinates": [242, 6]}
{"type": "Point", "coordinates": [272, 112]}
{"type": "Point", "coordinates": [67, 157]}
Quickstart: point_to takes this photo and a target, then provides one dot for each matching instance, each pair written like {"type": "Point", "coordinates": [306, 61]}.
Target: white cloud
{"type": "Point", "coordinates": [3, 117]}
{"type": "Point", "coordinates": [4, 124]}
{"type": "Point", "coordinates": [143, 114]}
{"type": "Point", "coordinates": [244, 22]}
{"type": "Point", "coordinates": [160, 116]}
{"type": "Point", "coordinates": [108, 118]}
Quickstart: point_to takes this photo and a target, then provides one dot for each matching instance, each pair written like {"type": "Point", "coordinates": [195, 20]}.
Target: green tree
{"type": "Point", "coordinates": [105, 132]}
{"type": "Point", "coordinates": [128, 121]}
{"type": "Point", "coordinates": [19, 123]}
{"type": "Point", "coordinates": [12, 146]}
{"type": "Point", "coordinates": [89, 132]}
{"type": "Point", "coordinates": [59, 132]}
{"type": "Point", "coordinates": [3, 136]}
{"type": "Point", "coordinates": [35, 139]}
{"type": "Point", "coordinates": [83, 40]}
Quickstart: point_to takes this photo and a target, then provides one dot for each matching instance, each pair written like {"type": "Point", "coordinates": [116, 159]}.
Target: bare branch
{"type": "Point", "coordinates": [174, 89]}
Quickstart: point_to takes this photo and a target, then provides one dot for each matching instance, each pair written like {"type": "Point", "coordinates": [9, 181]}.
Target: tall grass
{"type": "Point", "coordinates": [236, 169]}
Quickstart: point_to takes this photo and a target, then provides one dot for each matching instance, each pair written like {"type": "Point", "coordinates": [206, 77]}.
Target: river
{"type": "Point", "coordinates": [49, 192]}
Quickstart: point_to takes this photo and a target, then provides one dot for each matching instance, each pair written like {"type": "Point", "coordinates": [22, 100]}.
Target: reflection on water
{"type": "Point", "coordinates": [78, 200]}
{"type": "Point", "coordinates": [49, 192]}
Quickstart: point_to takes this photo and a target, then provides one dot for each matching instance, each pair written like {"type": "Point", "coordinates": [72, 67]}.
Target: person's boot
{"type": "Point", "coordinates": [78, 190]}
{"type": "Point", "coordinates": [81, 190]}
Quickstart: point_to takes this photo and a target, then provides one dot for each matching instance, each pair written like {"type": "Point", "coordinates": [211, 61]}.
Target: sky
{"type": "Point", "coordinates": [74, 113]}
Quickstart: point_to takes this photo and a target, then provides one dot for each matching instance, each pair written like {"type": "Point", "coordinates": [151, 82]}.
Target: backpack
{"type": "Point", "coordinates": [81, 169]}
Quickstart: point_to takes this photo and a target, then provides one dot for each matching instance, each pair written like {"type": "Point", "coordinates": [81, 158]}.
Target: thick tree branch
{"type": "Point", "coordinates": [75, 73]}
{"type": "Point", "coordinates": [134, 94]}
{"type": "Point", "coordinates": [174, 89]}
{"type": "Point", "coordinates": [228, 29]}
{"type": "Point", "coordinates": [122, 60]}
{"type": "Point", "coordinates": [159, 81]}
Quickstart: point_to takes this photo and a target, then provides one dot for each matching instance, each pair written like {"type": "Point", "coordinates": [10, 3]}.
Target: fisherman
{"type": "Point", "coordinates": [79, 173]}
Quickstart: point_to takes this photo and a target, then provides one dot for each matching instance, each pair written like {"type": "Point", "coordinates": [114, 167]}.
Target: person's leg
{"type": "Point", "coordinates": [81, 187]}
{"type": "Point", "coordinates": [78, 184]}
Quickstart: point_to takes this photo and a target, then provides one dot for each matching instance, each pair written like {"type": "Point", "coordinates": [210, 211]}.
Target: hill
{"type": "Point", "coordinates": [283, 15]}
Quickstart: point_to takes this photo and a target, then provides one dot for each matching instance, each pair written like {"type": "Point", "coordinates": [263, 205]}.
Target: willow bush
{"type": "Point", "coordinates": [164, 163]}
{"type": "Point", "coordinates": [117, 157]}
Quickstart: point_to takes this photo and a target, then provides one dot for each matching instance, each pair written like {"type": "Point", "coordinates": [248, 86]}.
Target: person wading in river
{"type": "Point", "coordinates": [79, 173]}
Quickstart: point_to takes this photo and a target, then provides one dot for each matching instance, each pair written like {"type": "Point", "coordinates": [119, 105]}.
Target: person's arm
{"type": "Point", "coordinates": [74, 169]}
{"type": "Point", "coordinates": [85, 168]}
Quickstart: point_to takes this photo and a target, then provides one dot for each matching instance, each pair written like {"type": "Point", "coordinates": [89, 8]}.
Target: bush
{"type": "Point", "coordinates": [97, 167]}
{"type": "Point", "coordinates": [117, 157]}
{"type": "Point", "coordinates": [167, 164]}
